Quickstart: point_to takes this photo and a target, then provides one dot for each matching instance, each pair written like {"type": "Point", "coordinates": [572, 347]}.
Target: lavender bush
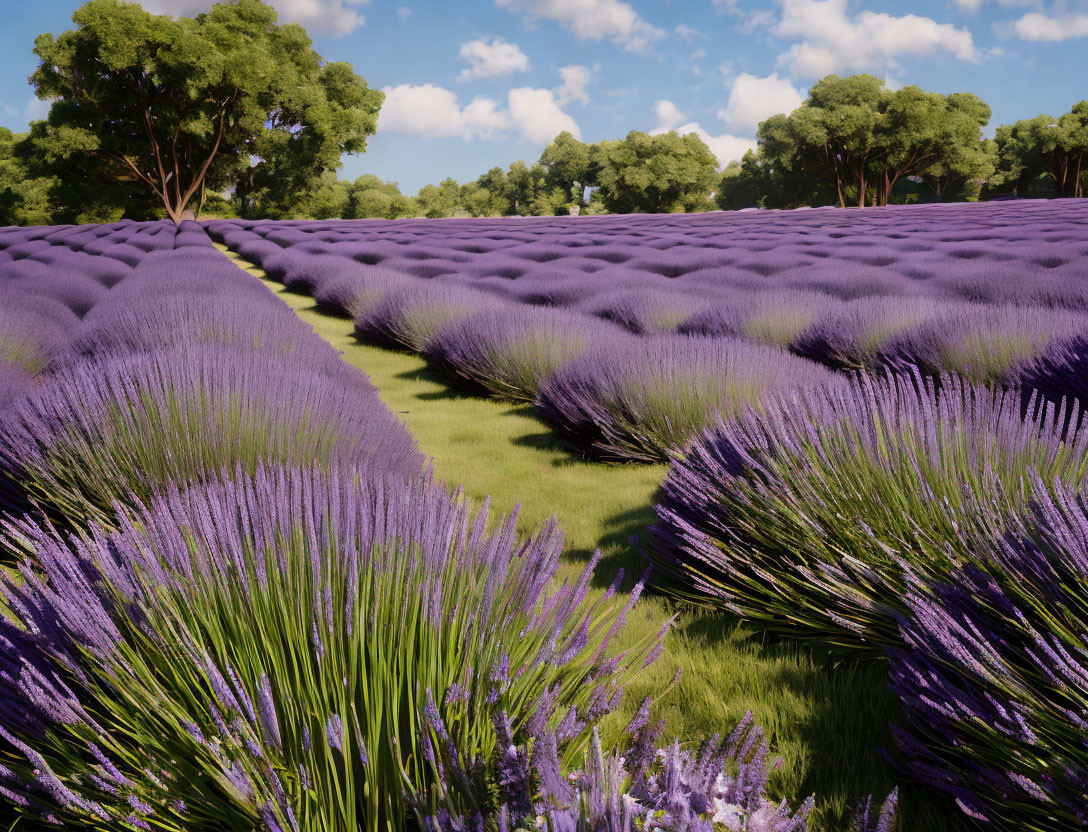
{"type": "Point", "coordinates": [409, 318]}
{"type": "Point", "coordinates": [856, 335]}
{"type": "Point", "coordinates": [32, 330]}
{"type": "Point", "coordinates": [993, 345]}
{"type": "Point", "coordinates": [993, 677]}
{"type": "Point", "coordinates": [511, 351]}
{"type": "Point", "coordinates": [806, 515]}
{"type": "Point", "coordinates": [144, 325]}
{"type": "Point", "coordinates": [768, 317]}
{"type": "Point", "coordinates": [257, 653]}
{"type": "Point", "coordinates": [647, 401]}
{"type": "Point", "coordinates": [353, 293]}
{"type": "Point", "coordinates": [115, 427]}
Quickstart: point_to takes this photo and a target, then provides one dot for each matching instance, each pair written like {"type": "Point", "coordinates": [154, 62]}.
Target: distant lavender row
{"type": "Point", "coordinates": [467, 296]}
{"type": "Point", "coordinates": [1002, 252]}
{"type": "Point", "coordinates": [51, 276]}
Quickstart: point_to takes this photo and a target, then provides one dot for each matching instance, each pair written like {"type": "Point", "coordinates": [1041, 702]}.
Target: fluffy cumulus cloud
{"type": "Point", "coordinates": [491, 58]}
{"type": "Point", "coordinates": [537, 116]}
{"type": "Point", "coordinates": [574, 83]}
{"type": "Point", "coordinates": [1037, 26]}
{"type": "Point", "coordinates": [753, 99]}
{"type": "Point", "coordinates": [830, 40]}
{"type": "Point", "coordinates": [436, 112]}
{"type": "Point", "coordinates": [611, 20]}
{"type": "Point", "coordinates": [726, 147]}
{"type": "Point", "coordinates": [330, 17]}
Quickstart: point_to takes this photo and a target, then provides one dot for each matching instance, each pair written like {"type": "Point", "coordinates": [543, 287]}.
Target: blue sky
{"type": "Point", "coordinates": [478, 83]}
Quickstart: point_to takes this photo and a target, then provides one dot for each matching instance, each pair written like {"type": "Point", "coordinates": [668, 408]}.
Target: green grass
{"type": "Point", "coordinates": [826, 721]}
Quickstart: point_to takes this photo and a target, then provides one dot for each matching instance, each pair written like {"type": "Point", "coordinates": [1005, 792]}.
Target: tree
{"type": "Point", "coordinates": [370, 197]}
{"type": "Point", "coordinates": [928, 135]}
{"type": "Point", "coordinates": [490, 196]}
{"type": "Point", "coordinates": [832, 135]}
{"type": "Point", "coordinates": [568, 169]}
{"type": "Point", "coordinates": [664, 173]}
{"type": "Point", "coordinates": [24, 200]}
{"type": "Point", "coordinates": [1043, 146]}
{"type": "Point", "coordinates": [162, 109]}
{"type": "Point", "coordinates": [1074, 143]}
{"type": "Point", "coordinates": [441, 201]}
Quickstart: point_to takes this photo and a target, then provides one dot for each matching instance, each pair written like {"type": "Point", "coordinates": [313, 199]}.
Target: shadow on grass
{"type": "Point", "coordinates": [622, 546]}
{"type": "Point", "coordinates": [846, 725]}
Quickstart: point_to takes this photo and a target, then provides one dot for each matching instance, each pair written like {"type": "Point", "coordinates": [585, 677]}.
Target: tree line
{"type": "Point", "coordinates": [230, 113]}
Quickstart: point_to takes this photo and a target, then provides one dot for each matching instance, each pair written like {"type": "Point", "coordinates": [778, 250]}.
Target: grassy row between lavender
{"type": "Point", "coordinates": [930, 521]}
{"type": "Point", "coordinates": [239, 601]}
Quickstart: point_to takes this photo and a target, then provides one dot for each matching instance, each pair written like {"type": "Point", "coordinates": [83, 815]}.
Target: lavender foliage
{"type": "Point", "coordinates": [512, 351]}
{"type": "Point", "coordinates": [993, 676]}
{"type": "Point", "coordinates": [252, 653]}
{"type": "Point", "coordinates": [808, 514]}
{"type": "Point", "coordinates": [650, 399]}
{"type": "Point", "coordinates": [115, 426]}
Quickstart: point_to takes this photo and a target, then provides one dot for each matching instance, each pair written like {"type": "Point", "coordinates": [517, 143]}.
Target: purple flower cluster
{"type": "Point", "coordinates": [646, 401]}
{"type": "Point", "coordinates": [637, 786]}
{"type": "Point", "coordinates": [191, 610]}
{"type": "Point", "coordinates": [902, 289]}
{"type": "Point", "coordinates": [993, 674]}
{"type": "Point", "coordinates": [808, 514]}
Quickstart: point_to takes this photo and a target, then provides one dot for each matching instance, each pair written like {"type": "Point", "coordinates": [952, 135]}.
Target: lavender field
{"type": "Point", "coordinates": [235, 594]}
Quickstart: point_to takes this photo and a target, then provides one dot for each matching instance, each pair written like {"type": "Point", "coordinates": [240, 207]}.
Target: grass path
{"type": "Point", "coordinates": [826, 722]}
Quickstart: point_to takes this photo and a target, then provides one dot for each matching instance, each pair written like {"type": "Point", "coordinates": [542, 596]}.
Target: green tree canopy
{"type": "Point", "coordinates": [667, 173]}
{"type": "Point", "coordinates": [442, 200]}
{"type": "Point", "coordinates": [23, 199]}
{"type": "Point", "coordinates": [158, 109]}
{"type": "Point", "coordinates": [371, 198]}
{"type": "Point", "coordinates": [862, 139]}
{"type": "Point", "coordinates": [1035, 147]}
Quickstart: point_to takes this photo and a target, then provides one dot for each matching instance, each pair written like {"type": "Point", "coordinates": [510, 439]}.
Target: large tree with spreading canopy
{"type": "Point", "coordinates": [156, 110]}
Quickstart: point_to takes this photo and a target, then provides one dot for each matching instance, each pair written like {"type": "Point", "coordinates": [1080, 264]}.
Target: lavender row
{"type": "Point", "coordinates": [50, 277]}
{"type": "Point", "coordinates": [601, 386]}
{"type": "Point", "coordinates": [1009, 252]}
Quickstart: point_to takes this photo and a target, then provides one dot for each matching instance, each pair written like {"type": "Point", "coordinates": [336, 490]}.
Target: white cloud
{"type": "Point", "coordinates": [726, 147]}
{"type": "Point", "coordinates": [404, 12]}
{"type": "Point", "coordinates": [490, 59]}
{"type": "Point", "coordinates": [830, 40]}
{"type": "Point", "coordinates": [754, 99]}
{"type": "Point", "coordinates": [435, 112]}
{"type": "Point", "coordinates": [611, 20]}
{"type": "Point", "coordinates": [1036, 26]}
{"type": "Point", "coordinates": [537, 116]}
{"type": "Point", "coordinates": [331, 17]}
{"type": "Point", "coordinates": [686, 33]}
{"type": "Point", "coordinates": [668, 116]}
{"type": "Point", "coordinates": [969, 5]}
{"type": "Point", "coordinates": [575, 79]}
